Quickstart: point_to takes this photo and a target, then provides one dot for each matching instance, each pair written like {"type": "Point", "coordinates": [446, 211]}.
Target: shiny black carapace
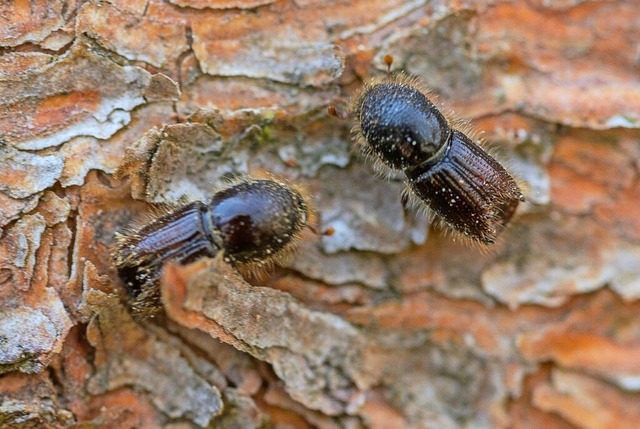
{"type": "Point", "coordinates": [456, 179]}
{"type": "Point", "coordinates": [252, 223]}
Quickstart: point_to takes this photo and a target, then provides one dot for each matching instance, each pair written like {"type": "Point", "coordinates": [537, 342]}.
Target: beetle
{"type": "Point", "coordinates": [445, 170]}
{"type": "Point", "coordinates": [253, 223]}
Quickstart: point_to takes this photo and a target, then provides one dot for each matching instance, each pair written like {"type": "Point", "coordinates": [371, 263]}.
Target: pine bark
{"type": "Point", "coordinates": [111, 110]}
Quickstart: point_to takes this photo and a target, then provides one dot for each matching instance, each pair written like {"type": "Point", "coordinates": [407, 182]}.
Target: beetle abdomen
{"type": "Point", "coordinates": [180, 235]}
{"type": "Point", "coordinates": [468, 189]}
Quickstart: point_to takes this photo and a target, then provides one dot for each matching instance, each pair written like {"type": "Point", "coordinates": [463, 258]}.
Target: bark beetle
{"type": "Point", "coordinates": [386, 323]}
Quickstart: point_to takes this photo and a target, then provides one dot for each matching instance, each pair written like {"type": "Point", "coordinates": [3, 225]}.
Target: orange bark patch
{"type": "Point", "coordinates": [28, 20]}
{"type": "Point", "coordinates": [588, 170]}
{"type": "Point", "coordinates": [584, 351]}
{"type": "Point", "coordinates": [62, 109]}
{"type": "Point", "coordinates": [124, 408]}
{"type": "Point", "coordinates": [623, 214]}
{"type": "Point", "coordinates": [587, 402]}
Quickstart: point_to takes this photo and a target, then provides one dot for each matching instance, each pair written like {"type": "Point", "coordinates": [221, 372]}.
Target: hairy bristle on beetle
{"type": "Point", "coordinates": [464, 186]}
{"type": "Point", "coordinates": [251, 224]}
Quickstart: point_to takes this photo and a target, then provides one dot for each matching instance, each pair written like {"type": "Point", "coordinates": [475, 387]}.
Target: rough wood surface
{"type": "Point", "coordinates": [387, 323]}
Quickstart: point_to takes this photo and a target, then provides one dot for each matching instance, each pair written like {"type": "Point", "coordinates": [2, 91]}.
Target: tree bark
{"type": "Point", "coordinates": [389, 321]}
